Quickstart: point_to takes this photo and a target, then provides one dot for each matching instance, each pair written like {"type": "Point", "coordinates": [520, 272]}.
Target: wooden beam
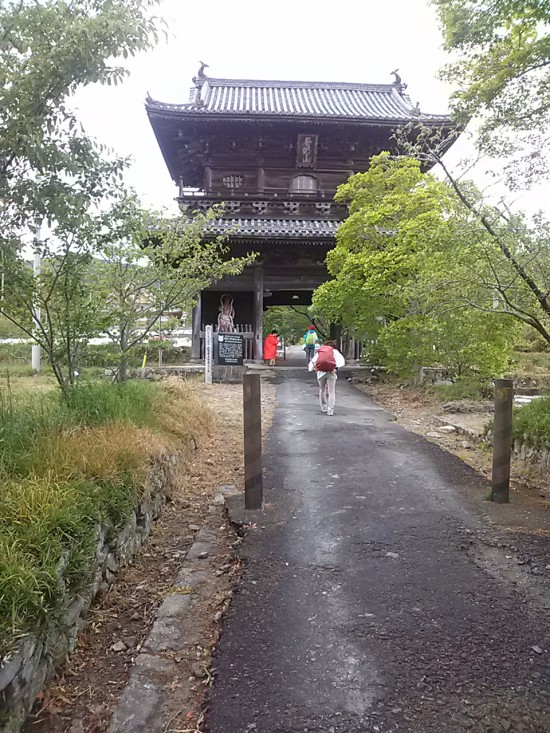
{"type": "Point", "coordinates": [258, 312]}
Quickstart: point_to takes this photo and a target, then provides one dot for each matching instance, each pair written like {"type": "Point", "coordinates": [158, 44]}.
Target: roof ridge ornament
{"type": "Point", "coordinates": [398, 83]}
{"type": "Point", "coordinates": [199, 81]}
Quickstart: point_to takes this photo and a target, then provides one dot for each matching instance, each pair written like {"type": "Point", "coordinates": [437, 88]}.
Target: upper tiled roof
{"type": "Point", "coordinates": [249, 98]}
{"type": "Point", "coordinates": [274, 228]}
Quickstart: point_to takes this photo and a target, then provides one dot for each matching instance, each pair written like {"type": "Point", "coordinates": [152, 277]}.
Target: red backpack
{"type": "Point", "coordinates": [325, 360]}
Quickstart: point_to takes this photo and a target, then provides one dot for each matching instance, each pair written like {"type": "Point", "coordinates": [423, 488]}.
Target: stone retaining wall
{"type": "Point", "coordinates": [25, 671]}
{"type": "Point", "coordinates": [528, 449]}
{"type": "Point", "coordinates": [537, 455]}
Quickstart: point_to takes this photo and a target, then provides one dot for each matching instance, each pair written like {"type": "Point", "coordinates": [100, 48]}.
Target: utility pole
{"type": "Point", "coordinates": [37, 264]}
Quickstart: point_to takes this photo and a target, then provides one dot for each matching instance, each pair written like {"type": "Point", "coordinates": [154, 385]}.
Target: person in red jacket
{"type": "Point", "coordinates": [270, 348]}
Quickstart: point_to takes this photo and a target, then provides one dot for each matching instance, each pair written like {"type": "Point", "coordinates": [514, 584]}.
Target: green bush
{"type": "Point", "coordinates": [374, 354]}
{"type": "Point", "coordinates": [105, 355]}
{"type": "Point", "coordinates": [533, 420]}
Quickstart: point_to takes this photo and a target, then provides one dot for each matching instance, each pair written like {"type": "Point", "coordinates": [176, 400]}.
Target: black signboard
{"type": "Point", "coordinates": [230, 349]}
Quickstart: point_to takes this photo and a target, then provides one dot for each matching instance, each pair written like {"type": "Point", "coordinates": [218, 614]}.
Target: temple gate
{"type": "Point", "coordinates": [274, 153]}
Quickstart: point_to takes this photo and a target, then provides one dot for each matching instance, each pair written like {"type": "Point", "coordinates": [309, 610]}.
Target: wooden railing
{"type": "Point", "coordinates": [351, 348]}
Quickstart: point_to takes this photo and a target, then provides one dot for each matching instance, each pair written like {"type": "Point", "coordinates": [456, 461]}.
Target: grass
{"type": "Point", "coordinates": [531, 362]}
{"type": "Point", "coordinates": [463, 389]}
{"type": "Point", "coordinates": [533, 420]}
{"type": "Point", "coordinates": [64, 468]}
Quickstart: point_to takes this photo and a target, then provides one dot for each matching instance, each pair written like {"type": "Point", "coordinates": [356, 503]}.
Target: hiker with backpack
{"type": "Point", "coordinates": [326, 363]}
{"type": "Point", "coordinates": [310, 339]}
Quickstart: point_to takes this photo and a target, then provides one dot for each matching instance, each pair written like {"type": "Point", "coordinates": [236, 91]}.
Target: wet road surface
{"type": "Point", "coordinates": [362, 607]}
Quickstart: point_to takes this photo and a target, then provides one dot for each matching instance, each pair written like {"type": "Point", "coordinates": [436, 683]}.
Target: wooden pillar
{"type": "Point", "coordinates": [349, 347]}
{"type": "Point", "coordinates": [252, 420]}
{"type": "Point", "coordinates": [196, 330]}
{"type": "Point", "coordinates": [258, 312]}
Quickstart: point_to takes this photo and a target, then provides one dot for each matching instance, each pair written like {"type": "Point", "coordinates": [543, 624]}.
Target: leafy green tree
{"type": "Point", "coordinates": [56, 307]}
{"type": "Point", "coordinates": [416, 273]}
{"type": "Point", "coordinates": [502, 73]}
{"type": "Point", "coordinates": [150, 264]}
{"type": "Point", "coordinates": [49, 168]}
{"type": "Point", "coordinates": [292, 322]}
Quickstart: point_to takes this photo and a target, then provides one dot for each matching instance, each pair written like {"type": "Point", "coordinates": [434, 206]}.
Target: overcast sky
{"type": "Point", "coordinates": [307, 40]}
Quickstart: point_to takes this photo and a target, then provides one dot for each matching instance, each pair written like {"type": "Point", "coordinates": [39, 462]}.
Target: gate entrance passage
{"type": "Point", "coordinates": [274, 153]}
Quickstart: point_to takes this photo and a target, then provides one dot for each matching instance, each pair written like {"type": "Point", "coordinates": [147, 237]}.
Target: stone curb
{"type": "Point", "coordinates": [476, 436]}
{"type": "Point", "coordinates": [143, 700]}
{"type": "Point", "coordinates": [234, 506]}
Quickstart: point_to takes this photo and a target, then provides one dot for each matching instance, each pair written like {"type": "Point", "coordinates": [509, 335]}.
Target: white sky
{"type": "Point", "coordinates": [311, 40]}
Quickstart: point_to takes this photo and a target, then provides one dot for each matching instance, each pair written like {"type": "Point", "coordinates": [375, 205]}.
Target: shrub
{"type": "Point", "coordinates": [106, 355]}
{"type": "Point", "coordinates": [533, 420]}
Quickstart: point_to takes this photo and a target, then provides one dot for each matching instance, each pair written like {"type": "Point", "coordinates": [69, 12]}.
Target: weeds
{"type": "Point", "coordinates": [66, 466]}
{"type": "Point", "coordinates": [463, 389]}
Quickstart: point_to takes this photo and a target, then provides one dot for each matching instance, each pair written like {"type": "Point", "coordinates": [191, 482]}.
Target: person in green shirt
{"type": "Point", "coordinates": [310, 339]}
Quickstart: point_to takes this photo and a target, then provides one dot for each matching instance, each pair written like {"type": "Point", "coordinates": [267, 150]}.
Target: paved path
{"type": "Point", "coordinates": [363, 606]}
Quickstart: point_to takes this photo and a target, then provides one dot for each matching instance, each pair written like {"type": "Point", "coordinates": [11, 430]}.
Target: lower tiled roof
{"type": "Point", "coordinates": [274, 228]}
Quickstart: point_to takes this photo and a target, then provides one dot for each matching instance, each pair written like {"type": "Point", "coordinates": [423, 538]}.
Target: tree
{"type": "Point", "coordinates": [148, 265]}
{"type": "Point", "coordinates": [56, 307]}
{"type": "Point", "coordinates": [502, 73]}
{"type": "Point", "coordinates": [49, 168]}
{"type": "Point", "coordinates": [50, 171]}
{"type": "Point", "coordinates": [291, 322]}
{"type": "Point", "coordinates": [416, 271]}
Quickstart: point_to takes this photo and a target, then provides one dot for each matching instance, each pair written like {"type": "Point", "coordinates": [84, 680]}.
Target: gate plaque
{"type": "Point", "coordinates": [230, 349]}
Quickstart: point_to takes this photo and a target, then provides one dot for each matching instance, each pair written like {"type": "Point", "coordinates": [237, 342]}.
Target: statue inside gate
{"type": "Point", "coordinates": [226, 315]}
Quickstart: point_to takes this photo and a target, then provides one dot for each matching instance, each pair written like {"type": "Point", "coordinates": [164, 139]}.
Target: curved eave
{"type": "Point", "coordinates": [184, 114]}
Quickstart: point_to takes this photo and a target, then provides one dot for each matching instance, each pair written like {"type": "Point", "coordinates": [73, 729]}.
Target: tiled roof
{"type": "Point", "coordinates": [248, 98]}
{"type": "Point", "coordinates": [274, 228]}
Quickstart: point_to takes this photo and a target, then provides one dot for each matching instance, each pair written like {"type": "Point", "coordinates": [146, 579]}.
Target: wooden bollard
{"type": "Point", "coordinates": [502, 441]}
{"type": "Point", "coordinates": [252, 414]}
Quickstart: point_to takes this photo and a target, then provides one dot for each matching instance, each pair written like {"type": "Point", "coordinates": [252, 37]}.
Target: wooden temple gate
{"type": "Point", "coordinates": [274, 154]}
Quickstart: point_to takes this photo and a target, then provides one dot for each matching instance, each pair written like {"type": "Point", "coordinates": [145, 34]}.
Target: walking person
{"type": "Point", "coordinates": [310, 339]}
{"type": "Point", "coordinates": [270, 348]}
{"type": "Point", "coordinates": [326, 363]}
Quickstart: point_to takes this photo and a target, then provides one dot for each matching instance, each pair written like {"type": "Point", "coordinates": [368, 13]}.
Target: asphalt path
{"type": "Point", "coordinates": [362, 606]}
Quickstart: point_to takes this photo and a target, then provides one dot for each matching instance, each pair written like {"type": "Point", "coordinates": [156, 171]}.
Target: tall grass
{"type": "Point", "coordinates": [65, 466]}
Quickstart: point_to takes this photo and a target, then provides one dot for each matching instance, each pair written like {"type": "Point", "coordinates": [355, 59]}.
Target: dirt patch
{"type": "Point", "coordinates": [83, 698]}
